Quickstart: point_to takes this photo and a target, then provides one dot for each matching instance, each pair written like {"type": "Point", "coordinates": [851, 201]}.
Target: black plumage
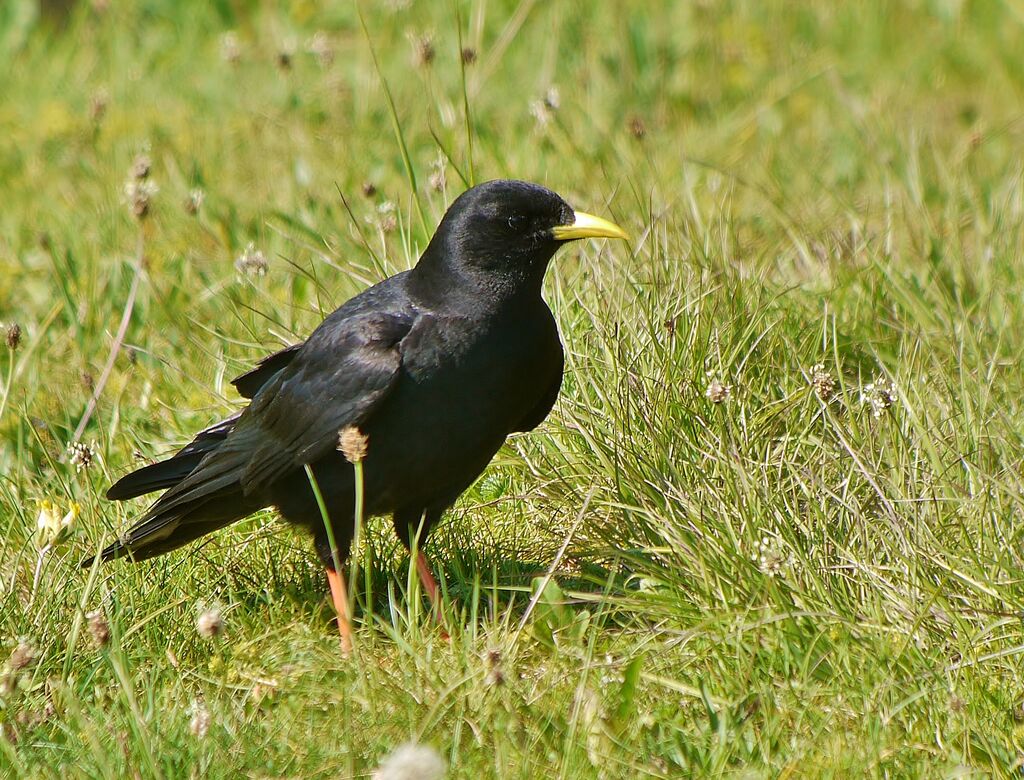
{"type": "Point", "coordinates": [435, 366]}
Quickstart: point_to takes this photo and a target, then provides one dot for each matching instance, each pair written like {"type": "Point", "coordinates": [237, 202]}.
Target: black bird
{"type": "Point", "coordinates": [434, 367]}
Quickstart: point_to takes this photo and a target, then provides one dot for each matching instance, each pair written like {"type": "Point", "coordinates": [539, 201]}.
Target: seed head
{"type": "Point", "coordinates": [230, 47]}
{"type": "Point", "coordinates": [141, 167]}
{"type": "Point", "coordinates": [411, 762]}
{"type": "Point", "coordinates": [251, 262]}
{"type": "Point", "coordinates": [544, 109]}
{"type": "Point", "coordinates": [80, 455]}
{"type": "Point", "coordinates": [1017, 713]}
{"type": "Point", "coordinates": [637, 128]}
{"type": "Point", "coordinates": [99, 628]}
{"type": "Point", "coordinates": [210, 622]}
{"type": "Point", "coordinates": [552, 98]}
{"type": "Point", "coordinates": [386, 219]}
{"type": "Point", "coordinates": [352, 443]}
{"type": "Point", "coordinates": [879, 396]}
{"type": "Point", "coordinates": [13, 336]}
{"type": "Point", "coordinates": [98, 105]}
{"type": "Point", "coordinates": [468, 55]}
{"type": "Point", "coordinates": [23, 656]}
{"type": "Point", "coordinates": [320, 46]}
{"type": "Point", "coordinates": [495, 673]}
{"type": "Point", "coordinates": [717, 392]}
{"type": "Point", "coordinates": [200, 721]}
{"type": "Point", "coordinates": [437, 177]}
{"type": "Point", "coordinates": [771, 557]}
{"type": "Point", "coordinates": [423, 52]}
{"type": "Point", "coordinates": [823, 382]}
{"type": "Point", "coordinates": [138, 194]}
{"type": "Point", "coordinates": [285, 55]}
{"type": "Point", "coordinates": [194, 201]}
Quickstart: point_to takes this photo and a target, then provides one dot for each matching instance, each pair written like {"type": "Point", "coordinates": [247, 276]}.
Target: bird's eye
{"type": "Point", "coordinates": [517, 222]}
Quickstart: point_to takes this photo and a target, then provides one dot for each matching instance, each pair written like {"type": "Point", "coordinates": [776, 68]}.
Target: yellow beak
{"type": "Point", "coordinates": [588, 226]}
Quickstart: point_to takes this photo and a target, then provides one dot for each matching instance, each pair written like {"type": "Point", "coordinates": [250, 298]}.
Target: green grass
{"type": "Point", "coordinates": [775, 585]}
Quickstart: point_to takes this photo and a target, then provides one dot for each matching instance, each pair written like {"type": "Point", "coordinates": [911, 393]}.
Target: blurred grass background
{"type": "Point", "coordinates": [818, 575]}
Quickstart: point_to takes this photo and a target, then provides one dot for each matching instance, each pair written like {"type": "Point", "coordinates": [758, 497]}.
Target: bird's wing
{"type": "Point", "coordinates": [250, 383]}
{"type": "Point", "coordinates": [338, 377]}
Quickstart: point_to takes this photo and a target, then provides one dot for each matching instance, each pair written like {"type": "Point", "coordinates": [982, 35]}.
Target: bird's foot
{"type": "Point", "coordinates": [433, 592]}
{"type": "Point", "coordinates": [339, 595]}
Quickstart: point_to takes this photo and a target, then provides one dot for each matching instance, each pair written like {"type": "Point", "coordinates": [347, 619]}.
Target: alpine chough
{"type": "Point", "coordinates": [431, 368]}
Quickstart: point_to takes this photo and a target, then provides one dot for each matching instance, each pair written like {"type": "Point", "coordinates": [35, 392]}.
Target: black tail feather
{"type": "Point", "coordinates": [203, 494]}
{"type": "Point", "coordinates": [157, 476]}
{"type": "Point", "coordinates": [168, 530]}
{"type": "Point", "coordinates": [168, 473]}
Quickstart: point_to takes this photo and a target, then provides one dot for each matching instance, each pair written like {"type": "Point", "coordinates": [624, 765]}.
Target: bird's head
{"type": "Point", "coordinates": [501, 234]}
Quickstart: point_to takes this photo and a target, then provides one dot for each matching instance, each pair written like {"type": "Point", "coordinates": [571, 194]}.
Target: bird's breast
{"type": "Point", "coordinates": [464, 387]}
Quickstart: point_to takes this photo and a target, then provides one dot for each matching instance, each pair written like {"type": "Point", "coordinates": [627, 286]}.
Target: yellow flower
{"type": "Point", "coordinates": [51, 526]}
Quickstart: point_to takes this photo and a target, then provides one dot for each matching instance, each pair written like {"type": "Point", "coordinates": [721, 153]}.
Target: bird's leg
{"type": "Point", "coordinates": [339, 594]}
{"type": "Point", "coordinates": [412, 526]}
{"type": "Point", "coordinates": [429, 585]}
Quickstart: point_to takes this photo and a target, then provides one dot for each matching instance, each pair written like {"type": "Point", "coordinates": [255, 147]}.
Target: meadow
{"type": "Point", "coordinates": [772, 527]}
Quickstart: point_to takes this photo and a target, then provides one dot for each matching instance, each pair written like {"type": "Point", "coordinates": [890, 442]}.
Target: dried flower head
{"type": "Point", "coordinates": [771, 556]}
{"type": "Point", "coordinates": [251, 262]}
{"type": "Point", "coordinates": [230, 47]}
{"type": "Point", "coordinates": [141, 166]}
{"type": "Point", "coordinates": [80, 455]}
{"type": "Point", "coordinates": [495, 673]}
{"type": "Point", "coordinates": [717, 391]}
{"type": "Point", "coordinates": [139, 194]}
{"type": "Point", "coordinates": [352, 443]}
{"type": "Point", "coordinates": [879, 395]}
{"type": "Point", "coordinates": [369, 189]}
{"type": "Point", "coordinates": [438, 178]}
{"type": "Point", "coordinates": [544, 109]}
{"type": "Point", "coordinates": [1017, 713]}
{"type": "Point", "coordinates": [199, 723]}
{"type": "Point", "coordinates": [194, 201]}
{"type": "Point", "coordinates": [637, 128]}
{"type": "Point", "coordinates": [320, 46]}
{"type": "Point", "coordinates": [285, 55]}
{"type": "Point", "coordinates": [23, 656]}
{"type": "Point", "coordinates": [98, 104]}
{"type": "Point", "coordinates": [210, 622]}
{"type": "Point", "coordinates": [423, 51]}
{"type": "Point", "coordinates": [13, 336]}
{"type": "Point", "coordinates": [822, 381]}
{"type": "Point", "coordinates": [386, 218]}
{"type": "Point", "coordinates": [468, 55]}
{"type": "Point", "coordinates": [99, 628]}
{"type": "Point", "coordinates": [411, 762]}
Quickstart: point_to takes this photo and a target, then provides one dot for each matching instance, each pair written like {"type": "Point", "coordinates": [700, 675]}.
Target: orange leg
{"type": "Point", "coordinates": [431, 587]}
{"type": "Point", "coordinates": [339, 594]}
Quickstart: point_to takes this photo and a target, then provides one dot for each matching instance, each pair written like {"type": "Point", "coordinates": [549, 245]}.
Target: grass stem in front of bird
{"type": "Point", "coordinates": [8, 381]}
{"type": "Point", "coordinates": [335, 553]}
{"type": "Point", "coordinates": [357, 537]}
